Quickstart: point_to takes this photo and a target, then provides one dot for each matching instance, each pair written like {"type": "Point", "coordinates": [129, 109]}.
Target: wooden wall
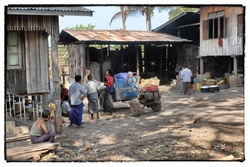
{"type": "Point", "coordinates": [37, 61]}
{"type": "Point", "coordinates": [34, 75]}
{"type": "Point", "coordinates": [77, 61]}
{"type": "Point", "coordinates": [232, 44]}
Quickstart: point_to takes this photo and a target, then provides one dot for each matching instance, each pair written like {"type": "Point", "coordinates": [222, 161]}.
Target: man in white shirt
{"type": "Point", "coordinates": [92, 91]}
{"type": "Point", "coordinates": [77, 93]}
{"type": "Point", "coordinates": [186, 75]}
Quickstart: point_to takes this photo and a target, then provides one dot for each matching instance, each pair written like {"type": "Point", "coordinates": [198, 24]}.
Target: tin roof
{"type": "Point", "coordinates": [49, 10]}
{"type": "Point", "coordinates": [116, 36]}
{"type": "Point", "coordinates": [184, 19]}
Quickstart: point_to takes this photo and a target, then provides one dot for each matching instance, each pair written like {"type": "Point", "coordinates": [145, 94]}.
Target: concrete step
{"type": "Point", "coordinates": [22, 130]}
{"type": "Point", "coordinates": [10, 128]}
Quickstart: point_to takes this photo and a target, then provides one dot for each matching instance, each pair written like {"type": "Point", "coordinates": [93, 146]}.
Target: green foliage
{"type": "Point", "coordinates": [82, 27]}
{"type": "Point", "coordinates": [177, 10]}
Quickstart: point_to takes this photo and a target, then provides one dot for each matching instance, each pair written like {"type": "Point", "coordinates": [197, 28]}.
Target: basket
{"type": "Point", "coordinates": [155, 82]}
{"type": "Point", "coordinates": [150, 88]}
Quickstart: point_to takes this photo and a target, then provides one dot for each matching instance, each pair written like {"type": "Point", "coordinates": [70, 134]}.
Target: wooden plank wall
{"type": "Point", "coordinates": [36, 53]}
{"type": "Point", "coordinates": [34, 32]}
{"type": "Point", "coordinates": [16, 77]}
{"type": "Point", "coordinates": [232, 44]}
{"type": "Point", "coordinates": [77, 61]}
{"type": "Point", "coordinates": [29, 23]}
{"type": "Point", "coordinates": [33, 77]}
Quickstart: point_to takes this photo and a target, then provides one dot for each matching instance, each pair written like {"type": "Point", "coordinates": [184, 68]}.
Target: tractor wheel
{"type": "Point", "coordinates": [156, 107]}
{"type": "Point", "coordinates": [135, 107]}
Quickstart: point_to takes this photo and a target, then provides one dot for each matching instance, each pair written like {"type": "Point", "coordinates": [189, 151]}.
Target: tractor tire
{"type": "Point", "coordinates": [156, 107]}
{"type": "Point", "coordinates": [135, 108]}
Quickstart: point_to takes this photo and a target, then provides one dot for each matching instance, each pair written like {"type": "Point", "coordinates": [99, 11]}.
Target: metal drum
{"type": "Point", "coordinates": [204, 89]}
{"type": "Point", "coordinates": [214, 88]}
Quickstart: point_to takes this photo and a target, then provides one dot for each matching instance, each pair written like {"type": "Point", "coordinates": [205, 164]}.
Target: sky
{"type": "Point", "coordinates": [103, 14]}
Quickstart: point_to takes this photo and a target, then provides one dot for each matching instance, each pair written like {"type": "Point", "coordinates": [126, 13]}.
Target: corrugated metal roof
{"type": "Point", "coordinates": [182, 19]}
{"type": "Point", "coordinates": [116, 36]}
{"type": "Point", "coordinates": [49, 10]}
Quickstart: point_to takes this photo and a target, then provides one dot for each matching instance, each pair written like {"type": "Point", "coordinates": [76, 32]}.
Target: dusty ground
{"type": "Point", "coordinates": [201, 126]}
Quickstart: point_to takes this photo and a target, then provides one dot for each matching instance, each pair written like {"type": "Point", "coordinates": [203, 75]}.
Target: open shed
{"type": "Point", "coordinates": [185, 25]}
{"type": "Point", "coordinates": [148, 53]}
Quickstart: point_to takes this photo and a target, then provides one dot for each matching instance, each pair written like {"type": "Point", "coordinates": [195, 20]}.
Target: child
{"type": "Point", "coordinates": [66, 107]}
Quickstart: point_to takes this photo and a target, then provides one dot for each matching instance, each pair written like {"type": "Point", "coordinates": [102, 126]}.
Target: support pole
{"type": "Point", "coordinates": [55, 70]}
{"type": "Point", "coordinates": [201, 66]}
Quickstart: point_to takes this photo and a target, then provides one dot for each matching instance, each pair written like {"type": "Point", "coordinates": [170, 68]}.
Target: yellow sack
{"type": "Point", "coordinates": [52, 106]}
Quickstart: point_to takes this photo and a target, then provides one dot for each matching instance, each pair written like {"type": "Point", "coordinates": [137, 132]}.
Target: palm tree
{"type": "Point", "coordinates": [147, 11]}
{"type": "Point", "coordinates": [135, 11]}
{"type": "Point", "coordinates": [125, 11]}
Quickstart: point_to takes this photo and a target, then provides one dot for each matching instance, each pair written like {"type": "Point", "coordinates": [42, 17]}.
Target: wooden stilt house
{"type": "Point", "coordinates": [28, 31]}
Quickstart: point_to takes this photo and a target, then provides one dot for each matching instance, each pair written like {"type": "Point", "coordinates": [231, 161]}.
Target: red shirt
{"type": "Point", "coordinates": [64, 92]}
{"type": "Point", "coordinates": [109, 81]}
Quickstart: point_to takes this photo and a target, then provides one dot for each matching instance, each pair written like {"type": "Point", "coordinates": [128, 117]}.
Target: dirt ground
{"type": "Point", "coordinates": [200, 127]}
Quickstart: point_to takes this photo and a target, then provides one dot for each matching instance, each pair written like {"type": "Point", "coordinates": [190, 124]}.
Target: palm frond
{"type": "Point", "coordinates": [116, 16]}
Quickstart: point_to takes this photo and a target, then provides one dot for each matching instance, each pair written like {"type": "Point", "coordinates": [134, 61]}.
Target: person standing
{"type": "Point", "coordinates": [76, 95]}
{"type": "Point", "coordinates": [92, 90]}
{"type": "Point", "coordinates": [108, 105]}
{"type": "Point", "coordinates": [176, 70]}
{"type": "Point", "coordinates": [181, 82]}
{"type": "Point", "coordinates": [131, 81]}
{"type": "Point", "coordinates": [64, 92]}
{"type": "Point", "coordinates": [186, 75]}
{"type": "Point", "coordinates": [39, 132]}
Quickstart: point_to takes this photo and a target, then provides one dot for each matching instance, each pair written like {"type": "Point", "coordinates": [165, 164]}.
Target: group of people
{"type": "Point", "coordinates": [185, 75]}
{"type": "Point", "coordinates": [77, 92]}
{"type": "Point", "coordinates": [72, 105]}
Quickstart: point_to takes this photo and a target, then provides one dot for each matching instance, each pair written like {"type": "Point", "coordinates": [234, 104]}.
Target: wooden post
{"type": "Point", "coordinates": [55, 70]}
{"type": "Point", "coordinates": [161, 55]}
{"type": "Point", "coordinates": [121, 51]}
{"type": "Point", "coordinates": [201, 66]}
{"type": "Point", "coordinates": [235, 66]}
{"type": "Point", "coordinates": [87, 56]}
{"type": "Point", "coordinates": [101, 69]}
{"type": "Point", "coordinates": [137, 61]}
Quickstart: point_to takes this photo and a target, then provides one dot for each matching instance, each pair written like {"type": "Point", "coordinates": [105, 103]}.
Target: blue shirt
{"type": "Point", "coordinates": [76, 90]}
